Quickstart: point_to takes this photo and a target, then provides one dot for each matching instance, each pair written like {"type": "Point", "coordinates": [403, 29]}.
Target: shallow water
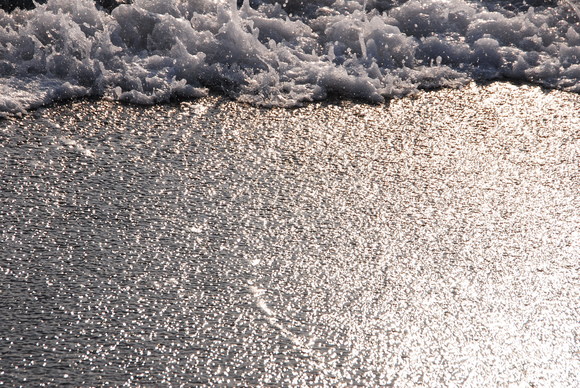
{"type": "Point", "coordinates": [430, 241]}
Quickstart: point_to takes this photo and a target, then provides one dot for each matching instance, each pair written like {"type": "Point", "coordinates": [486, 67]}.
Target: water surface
{"type": "Point", "coordinates": [433, 240]}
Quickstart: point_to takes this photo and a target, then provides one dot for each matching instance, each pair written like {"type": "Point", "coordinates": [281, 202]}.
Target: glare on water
{"type": "Point", "coordinates": [433, 240]}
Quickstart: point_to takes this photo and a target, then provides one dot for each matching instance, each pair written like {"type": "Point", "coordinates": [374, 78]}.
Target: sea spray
{"type": "Point", "coordinates": [279, 53]}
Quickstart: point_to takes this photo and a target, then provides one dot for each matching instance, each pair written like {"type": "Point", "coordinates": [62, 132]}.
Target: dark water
{"type": "Point", "coordinates": [432, 241]}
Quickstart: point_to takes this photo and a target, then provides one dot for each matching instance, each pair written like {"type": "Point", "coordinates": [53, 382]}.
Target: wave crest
{"type": "Point", "coordinates": [273, 54]}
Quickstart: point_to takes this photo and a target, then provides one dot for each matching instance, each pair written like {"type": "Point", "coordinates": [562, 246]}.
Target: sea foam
{"type": "Point", "coordinates": [280, 53]}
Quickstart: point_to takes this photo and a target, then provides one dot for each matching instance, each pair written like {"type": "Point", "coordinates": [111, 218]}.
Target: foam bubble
{"type": "Point", "coordinates": [279, 53]}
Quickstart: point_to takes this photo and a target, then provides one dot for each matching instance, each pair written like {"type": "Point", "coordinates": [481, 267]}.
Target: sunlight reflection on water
{"type": "Point", "coordinates": [434, 240]}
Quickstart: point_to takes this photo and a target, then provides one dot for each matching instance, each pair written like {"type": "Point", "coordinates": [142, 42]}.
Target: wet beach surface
{"type": "Point", "coordinates": [434, 240]}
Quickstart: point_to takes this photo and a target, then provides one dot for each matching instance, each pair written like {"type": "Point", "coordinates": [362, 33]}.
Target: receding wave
{"type": "Point", "coordinates": [280, 53]}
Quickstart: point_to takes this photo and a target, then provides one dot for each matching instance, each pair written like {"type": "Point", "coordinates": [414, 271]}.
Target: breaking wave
{"type": "Point", "coordinates": [280, 53]}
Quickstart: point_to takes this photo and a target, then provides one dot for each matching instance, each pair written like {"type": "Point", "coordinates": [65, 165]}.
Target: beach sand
{"type": "Point", "coordinates": [433, 240]}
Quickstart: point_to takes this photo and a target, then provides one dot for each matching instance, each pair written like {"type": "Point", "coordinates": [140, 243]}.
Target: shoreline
{"type": "Point", "coordinates": [472, 88]}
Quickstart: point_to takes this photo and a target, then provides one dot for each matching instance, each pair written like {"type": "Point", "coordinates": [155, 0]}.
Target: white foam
{"type": "Point", "coordinates": [270, 53]}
